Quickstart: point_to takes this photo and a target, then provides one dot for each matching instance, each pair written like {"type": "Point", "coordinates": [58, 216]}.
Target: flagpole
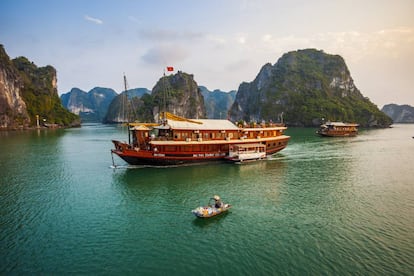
{"type": "Point", "coordinates": [165, 98]}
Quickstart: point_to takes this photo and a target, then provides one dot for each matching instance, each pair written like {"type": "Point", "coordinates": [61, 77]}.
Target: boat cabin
{"type": "Point", "coordinates": [241, 152]}
{"type": "Point", "coordinates": [198, 131]}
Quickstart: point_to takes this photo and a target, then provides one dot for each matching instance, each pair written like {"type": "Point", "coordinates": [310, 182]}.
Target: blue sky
{"type": "Point", "coordinates": [223, 43]}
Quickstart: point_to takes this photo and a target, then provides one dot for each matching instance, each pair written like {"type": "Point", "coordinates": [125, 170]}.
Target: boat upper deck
{"type": "Point", "coordinates": [215, 142]}
{"type": "Point", "coordinates": [341, 124]}
{"type": "Point", "coordinates": [215, 124]}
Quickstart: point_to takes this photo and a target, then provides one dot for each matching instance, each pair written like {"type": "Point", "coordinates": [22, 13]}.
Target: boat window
{"type": "Point", "coordinates": [155, 132]}
{"type": "Point", "coordinates": [170, 148]}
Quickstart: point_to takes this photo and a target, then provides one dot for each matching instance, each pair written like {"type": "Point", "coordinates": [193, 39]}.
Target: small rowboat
{"type": "Point", "coordinates": [210, 210]}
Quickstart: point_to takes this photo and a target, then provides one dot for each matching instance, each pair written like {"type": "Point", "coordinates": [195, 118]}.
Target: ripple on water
{"type": "Point", "coordinates": [320, 206]}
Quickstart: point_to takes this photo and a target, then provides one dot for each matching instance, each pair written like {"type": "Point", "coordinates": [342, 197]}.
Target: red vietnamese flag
{"type": "Point", "coordinates": [170, 68]}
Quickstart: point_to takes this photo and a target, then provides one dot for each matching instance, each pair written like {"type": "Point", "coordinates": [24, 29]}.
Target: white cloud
{"type": "Point", "coordinates": [355, 46]}
{"type": "Point", "coordinates": [241, 38]}
{"type": "Point", "coordinates": [93, 19]}
{"type": "Point", "coordinates": [165, 54]}
{"type": "Point", "coordinates": [169, 35]}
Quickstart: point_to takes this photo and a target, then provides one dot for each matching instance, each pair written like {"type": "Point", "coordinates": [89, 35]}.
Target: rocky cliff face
{"type": "Point", "coordinates": [13, 112]}
{"type": "Point", "coordinates": [90, 106]}
{"type": "Point", "coordinates": [178, 94]}
{"type": "Point", "coordinates": [399, 113]}
{"type": "Point", "coordinates": [133, 104]}
{"type": "Point", "coordinates": [302, 88]}
{"type": "Point", "coordinates": [27, 91]}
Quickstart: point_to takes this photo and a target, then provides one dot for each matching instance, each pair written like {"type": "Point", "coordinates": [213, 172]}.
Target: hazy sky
{"type": "Point", "coordinates": [222, 42]}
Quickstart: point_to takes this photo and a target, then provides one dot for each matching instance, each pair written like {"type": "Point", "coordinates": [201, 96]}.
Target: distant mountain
{"type": "Point", "coordinates": [127, 105]}
{"type": "Point", "coordinates": [90, 106]}
{"type": "Point", "coordinates": [28, 91]}
{"type": "Point", "coordinates": [303, 87]}
{"type": "Point", "coordinates": [399, 113]}
{"type": "Point", "coordinates": [217, 102]}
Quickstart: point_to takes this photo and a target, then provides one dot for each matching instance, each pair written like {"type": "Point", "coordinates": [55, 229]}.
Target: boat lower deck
{"type": "Point", "coordinates": [160, 157]}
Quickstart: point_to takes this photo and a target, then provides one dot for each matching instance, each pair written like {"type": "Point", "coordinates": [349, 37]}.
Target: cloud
{"type": "Point", "coordinates": [355, 46]}
{"type": "Point", "coordinates": [169, 35]}
{"type": "Point", "coordinates": [94, 20]}
{"type": "Point", "coordinates": [165, 54]}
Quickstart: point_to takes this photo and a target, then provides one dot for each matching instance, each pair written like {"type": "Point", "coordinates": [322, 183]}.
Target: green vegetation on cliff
{"type": "Point", "coordinates": [180, 95]}
{"type": "Point", "coordinates": [129, 106]}
{"type": "Point", "coordinates": [40, 94]}
{"type": "Point", "coordinates": [176, 93]}
{"type": "Point", "coordinates": [306, 86]}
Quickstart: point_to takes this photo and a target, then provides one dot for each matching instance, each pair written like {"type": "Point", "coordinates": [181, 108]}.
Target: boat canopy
{"type": "Point", "coordinates": [202, 124]}
{"type": "Point", "coordinates": [140, 127]}
{"type": "Point", "coordinates": [340, 124]}
{"type": "Point", "coordinates": [132, 125]}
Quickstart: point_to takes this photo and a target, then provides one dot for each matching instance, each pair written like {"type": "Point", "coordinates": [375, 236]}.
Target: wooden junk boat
{"type": "Point", "coordinates": [338, 129]}
{"type": "Point", "coordinates": [178, 140]}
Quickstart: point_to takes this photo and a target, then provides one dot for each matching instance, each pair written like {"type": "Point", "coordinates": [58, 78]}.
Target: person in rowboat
{"type": "Point", "coordinates": [217, 202]}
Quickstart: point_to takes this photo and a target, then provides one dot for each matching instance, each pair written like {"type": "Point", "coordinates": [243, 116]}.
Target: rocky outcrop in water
{"type": "Point", "coordinates": [133, 104]}
{"type": "Point", "coordinates": [13, 111]}
{"type": "Point", "coordinates": [27, 91]}
{"type": "Point", "coordinates": [178, 94]}
{"type": "Point", "coordinates": [399, 113]}
{"type": "Point", "coordinates": [302, 88]}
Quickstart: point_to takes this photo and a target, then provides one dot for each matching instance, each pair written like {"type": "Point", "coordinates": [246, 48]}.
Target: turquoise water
{"type": "Point", "coordinates": [321, 206]}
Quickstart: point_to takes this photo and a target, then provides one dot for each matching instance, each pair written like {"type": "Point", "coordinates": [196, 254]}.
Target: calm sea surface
{"type": "Point", "coordinates": [321, 206]}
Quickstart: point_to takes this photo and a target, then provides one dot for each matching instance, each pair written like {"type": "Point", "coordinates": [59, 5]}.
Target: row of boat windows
{"type": "Point", "coordinates": [211, 135]}
{"type": "Point", "coordinates": [208, 148]}
{"type": "Point", "coordinates": [341, 128]}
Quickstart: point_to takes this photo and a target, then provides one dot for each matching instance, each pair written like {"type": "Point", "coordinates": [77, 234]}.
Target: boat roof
{"type": "Point", "coordinates": [340, 124]}
{"type": "Point", "coordinates": [201, 124]}
{"type": "Point", "coordinates": [139, 127]}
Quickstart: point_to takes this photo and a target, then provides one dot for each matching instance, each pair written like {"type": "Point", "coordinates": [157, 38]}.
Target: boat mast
{"type": "Point", "coordinates": [125, 104]}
